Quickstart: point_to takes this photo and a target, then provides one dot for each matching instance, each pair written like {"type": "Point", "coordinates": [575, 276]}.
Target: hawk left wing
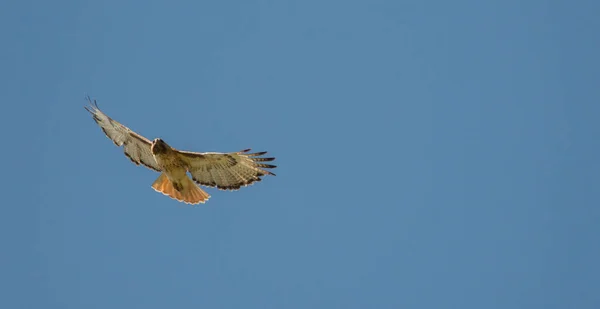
{"type": "Point", "coordinates": [135, 146]}
{"type": "Point", "coordinates": [226, 171]}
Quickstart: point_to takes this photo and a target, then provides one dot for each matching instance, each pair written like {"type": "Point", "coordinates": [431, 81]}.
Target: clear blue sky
{"type": "Point", "coordinates": [432, 154]}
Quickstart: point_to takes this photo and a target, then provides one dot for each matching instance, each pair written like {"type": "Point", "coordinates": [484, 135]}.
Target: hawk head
{"type": "Point", "coordinates": [159, 146]}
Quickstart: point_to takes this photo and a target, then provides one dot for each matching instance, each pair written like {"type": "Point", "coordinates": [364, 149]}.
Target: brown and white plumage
{"type": "Point", "coordinates": [226, 171]}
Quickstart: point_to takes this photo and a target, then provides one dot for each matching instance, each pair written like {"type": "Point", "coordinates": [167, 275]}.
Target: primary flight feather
{"type": "Point", "coordinates": [226, 171]}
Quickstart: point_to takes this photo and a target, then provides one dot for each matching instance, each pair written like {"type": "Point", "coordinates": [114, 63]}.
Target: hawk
{"type": "Point", "coordinates": [226, 171]}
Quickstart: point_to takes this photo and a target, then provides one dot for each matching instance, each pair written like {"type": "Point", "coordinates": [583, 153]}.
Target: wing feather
{"type": "Point", "coordinates": [135, 146]}
{"type": "Point", "coordinates": [226, 171]}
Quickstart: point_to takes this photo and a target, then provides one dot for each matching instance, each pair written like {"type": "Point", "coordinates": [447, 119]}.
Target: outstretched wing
{"type": "Point", "coordinates": [136, 147]}
{"type": "Point", "coordinates": [226, 171]}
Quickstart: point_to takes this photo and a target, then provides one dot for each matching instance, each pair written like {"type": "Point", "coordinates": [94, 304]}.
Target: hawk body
{"type": "Point", "coordinates": [170, 164]}
{"type": "Point", "coordinates": [226, 171]}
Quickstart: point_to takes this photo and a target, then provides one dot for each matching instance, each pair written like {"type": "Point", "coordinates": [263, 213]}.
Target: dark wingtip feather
{"type": "Point", "coordinates": [266, 165]}
{"type": "Point", "coordinates": [256, 154]}
{"type": "Point", "coordinates": [262, 159]}
{"type": "Point", "coordinates": [93, 104]}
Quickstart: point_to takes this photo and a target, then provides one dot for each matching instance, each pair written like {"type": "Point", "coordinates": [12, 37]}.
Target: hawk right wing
{"type": "Point", "coordinates": [135, 146]}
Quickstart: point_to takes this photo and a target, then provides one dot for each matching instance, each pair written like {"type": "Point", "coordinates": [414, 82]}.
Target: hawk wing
{"type": "Point", "coordinates": [135, 146]}
{"type": "Point", "coordinates": [226, 171]}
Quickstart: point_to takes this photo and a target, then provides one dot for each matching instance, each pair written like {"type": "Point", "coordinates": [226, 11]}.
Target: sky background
{"type": "Point", "coordinates": [432, 154]}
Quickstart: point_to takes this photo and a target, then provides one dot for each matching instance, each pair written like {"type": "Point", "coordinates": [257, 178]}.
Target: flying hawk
{"type": "Point", "coordinates": [226, 171]}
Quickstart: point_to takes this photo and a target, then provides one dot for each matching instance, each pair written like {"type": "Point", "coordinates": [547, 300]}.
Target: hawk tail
{"type": "Point", "coordinates": [190, 193]}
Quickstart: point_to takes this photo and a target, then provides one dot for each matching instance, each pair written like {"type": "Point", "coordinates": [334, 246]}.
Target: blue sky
{"type": "Point", "coordinates": [432, 154]}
